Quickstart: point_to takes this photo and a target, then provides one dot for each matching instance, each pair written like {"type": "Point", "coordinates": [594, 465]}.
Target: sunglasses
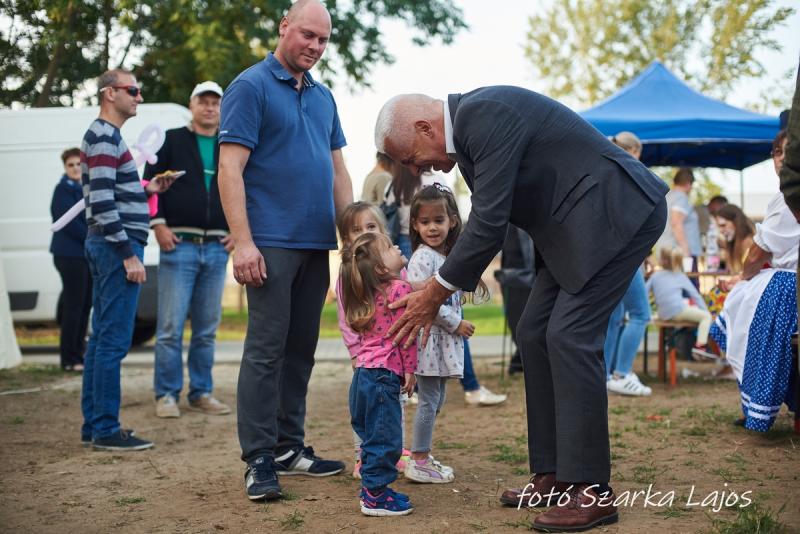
{"type": "Point", "coordinates": [132, 90]}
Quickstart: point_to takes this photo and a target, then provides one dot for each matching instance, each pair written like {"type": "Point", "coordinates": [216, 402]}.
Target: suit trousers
{"type": "Point", "coordinates": [282, 333]}
{"type": "Point", "coordinates": [561, 338]}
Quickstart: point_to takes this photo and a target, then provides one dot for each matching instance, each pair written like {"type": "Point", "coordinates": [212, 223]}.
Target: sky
{"type": "Point", "coordinates": [491, 53]}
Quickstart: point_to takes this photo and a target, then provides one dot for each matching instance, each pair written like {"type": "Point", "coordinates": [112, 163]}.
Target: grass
{"type": "Point", "coordinates": [293, 521]}
{"type": "Point", "coordinates": [448, 445]}
{"type": "Point", "coordinates": [754, 519]}
{"type": "Point", "coordinates": [488, 320]}
{"type": "Point", "coordinates": [31, 375]}
{"type": "Point", "coordinates": [508, 455]}
{"type": "Point", "coordinates": [127, 501]}
{"type": "Point", "coordinates": [15, 420]}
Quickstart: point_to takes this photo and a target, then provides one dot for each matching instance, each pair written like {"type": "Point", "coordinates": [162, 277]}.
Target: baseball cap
{"type": "Point", "coordinates": [206, 87]}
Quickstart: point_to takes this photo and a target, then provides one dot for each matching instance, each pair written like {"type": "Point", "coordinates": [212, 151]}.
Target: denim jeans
{"type": "Point", "coordinates": [404, 242]}
{"type": "Point", "coordinates": [114, 303]}
{"type": "Point", "coordinates": [190, 281]}
{"type": "Point", "coordinates": [376, 418]}
{"type": "Point", "coordinates": [623, 339]}
{"type": "Point", "coordinates": [469, 382]}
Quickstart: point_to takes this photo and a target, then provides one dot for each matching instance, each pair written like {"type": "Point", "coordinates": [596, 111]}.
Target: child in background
{"type": "Point", "coordinates": [671, 287]}
{"type": "Point", "coordinates": [435, 226]}
{"type": "Point", "coordinates": [370, 276]}
{"type": "Point", "coordinates": [359, 218]}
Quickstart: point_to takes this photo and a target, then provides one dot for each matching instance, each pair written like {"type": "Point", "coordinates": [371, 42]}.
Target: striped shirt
{"type": "Point", "coordinates": [116, 203]}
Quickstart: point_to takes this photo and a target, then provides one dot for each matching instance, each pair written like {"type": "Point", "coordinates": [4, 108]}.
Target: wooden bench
{"type": "Point", "coordinates": [667, 331]}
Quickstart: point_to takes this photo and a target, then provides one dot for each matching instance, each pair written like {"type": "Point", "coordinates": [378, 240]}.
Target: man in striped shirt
{"type": "Point", "coordinates": [118, 219]}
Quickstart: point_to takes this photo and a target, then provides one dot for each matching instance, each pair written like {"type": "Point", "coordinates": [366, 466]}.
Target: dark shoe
{"type": "Point", "coordinates": [86, 441]}
{"type": "Point", "coordinates": [122, 440]}
{"type": "Point", "coordinates": [260, 481]}
{"type": "Point", "coordinates": [303, 461]}
{"type": "Point", "coordinates": [541, 490]}
{"type": "Point", "coordinates": [585, 509]}
{"type": "Point", "coordinates": [740, 422]}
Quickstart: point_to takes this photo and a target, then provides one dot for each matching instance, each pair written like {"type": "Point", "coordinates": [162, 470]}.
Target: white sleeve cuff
{"type": "Point", "coordinates": [446, 284]}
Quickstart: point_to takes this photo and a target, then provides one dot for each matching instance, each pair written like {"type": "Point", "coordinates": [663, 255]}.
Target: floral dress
{"type": "Point", "coordinates": [444, 353]}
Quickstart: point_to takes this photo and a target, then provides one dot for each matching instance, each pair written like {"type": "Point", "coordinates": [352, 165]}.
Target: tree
{"type": "Point", "coordinates": [51, 50]}
{"type": "Point", "coordinates": [587, 49]}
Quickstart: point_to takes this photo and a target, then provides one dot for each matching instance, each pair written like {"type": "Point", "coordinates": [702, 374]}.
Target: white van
{"type": "Point", "coordinates": [31, 142]}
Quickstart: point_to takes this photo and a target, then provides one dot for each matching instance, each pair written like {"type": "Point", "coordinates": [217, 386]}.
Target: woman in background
{"type": "Point", "coordinates": [68, 256]}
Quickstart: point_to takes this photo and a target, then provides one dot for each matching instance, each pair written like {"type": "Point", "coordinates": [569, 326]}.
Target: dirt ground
{"type": "Point", "coordinates": [678, 440]}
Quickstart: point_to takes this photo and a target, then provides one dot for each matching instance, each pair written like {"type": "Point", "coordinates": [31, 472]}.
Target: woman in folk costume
{"type": "Point", "coordinates": [760, 314]}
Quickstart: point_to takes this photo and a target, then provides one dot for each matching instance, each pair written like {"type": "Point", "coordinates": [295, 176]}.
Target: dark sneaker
{"type": "Point", "coordinates": [260, 481]}
{"type": "Point", "coordinates": [86, 440]}
{"type": "Point", "coordinates": [303, 461]}
{"type": "Point", "coordinates": [386, 503]}
{"type": "Point", "coordinates": [123, 440]}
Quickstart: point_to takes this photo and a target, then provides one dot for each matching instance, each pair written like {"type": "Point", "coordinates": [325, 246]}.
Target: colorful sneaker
{"type": "Point", "coordinates": [483, 397]}
{"type": "Point", "coordinates": [428, 471]}
{"type": "Point", "coordinates": [121, 441]}
{"type": "Point", "coordinates": [386, 503]}
{"type": "Point", "coordinates": [303, 461]}
{"type": "Point", "coordinates": [440, 465]}
{"type": "Point", "coordinates": [405, 457]}
{"type": "Point", "coordinates": [260, 481]}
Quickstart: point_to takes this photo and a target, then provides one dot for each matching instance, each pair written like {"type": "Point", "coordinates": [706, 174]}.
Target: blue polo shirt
{"type": "Point", "coordinates": [288, 178]}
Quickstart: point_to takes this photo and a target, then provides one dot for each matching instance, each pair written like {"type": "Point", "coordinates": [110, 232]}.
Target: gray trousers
{"type": "Point", "coordinates": [282, 334]}
{"type": "Point", "coordinates": [561, 338]}
{"type": "Point", "coordinates": [432, 392]}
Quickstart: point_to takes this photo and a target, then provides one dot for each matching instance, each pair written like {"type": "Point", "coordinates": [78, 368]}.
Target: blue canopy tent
{"type": "Point", "coordinates": [682, 128]}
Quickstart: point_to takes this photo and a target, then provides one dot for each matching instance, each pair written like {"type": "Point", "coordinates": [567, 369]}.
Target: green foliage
{"type": "Point", "coordinates": [587, 49]}
{"type": "Point", "coordinates": [51, 50]}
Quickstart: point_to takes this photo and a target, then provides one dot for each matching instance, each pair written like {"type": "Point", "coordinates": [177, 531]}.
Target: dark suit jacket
{"type": "Point", "coordinates": [535, 163]}
{"type": "Point", "coordinates": [790, 174]}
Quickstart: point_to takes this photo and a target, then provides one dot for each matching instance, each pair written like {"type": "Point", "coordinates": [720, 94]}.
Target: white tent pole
{"type": "Point", "coordinates": [741, 188]}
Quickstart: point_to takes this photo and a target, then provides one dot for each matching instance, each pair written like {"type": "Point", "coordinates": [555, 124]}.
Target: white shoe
{"type": "Point", "coordinates": [441, 465]}
{"type": "Point", "coordinates": [628, 385]}
{"type": "Point", "coordinates": [483, 397]}
{"type": "Point", "coordinates": [428, 472]}
{"type": "Point", "coordinates": [167, 407]}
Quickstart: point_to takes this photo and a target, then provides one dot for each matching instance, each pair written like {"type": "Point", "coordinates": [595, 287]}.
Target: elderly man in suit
{"type": "Point", "coordinates": [593, 212]}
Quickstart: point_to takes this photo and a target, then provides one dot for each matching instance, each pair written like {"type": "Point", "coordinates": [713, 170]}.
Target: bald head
{"type": "Point", "coordinates": [308, 8]}
{"type": "Point", "coordinates": [410, 130]}
{"type": "Point", "coordinates": [304, 34]}
{"type": "Point", "coordinates": [398, 116]}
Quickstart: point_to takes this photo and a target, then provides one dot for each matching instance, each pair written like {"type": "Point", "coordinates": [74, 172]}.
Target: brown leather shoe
{"type": "Point", "coordinates": [535, 494]}
{"type": "Point", "coordinates": [585, 509]}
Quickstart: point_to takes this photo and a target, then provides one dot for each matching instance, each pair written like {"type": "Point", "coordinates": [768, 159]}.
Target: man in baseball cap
{"type": "Point", "coordinates": [193, 237]}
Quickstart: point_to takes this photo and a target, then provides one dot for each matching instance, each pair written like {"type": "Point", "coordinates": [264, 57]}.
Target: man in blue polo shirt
{"type": "Point", "coordinates": [282, 179]}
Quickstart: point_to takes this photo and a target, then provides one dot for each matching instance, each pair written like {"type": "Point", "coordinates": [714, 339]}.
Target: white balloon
{"type": "Point", "coordinates": [149, 143]}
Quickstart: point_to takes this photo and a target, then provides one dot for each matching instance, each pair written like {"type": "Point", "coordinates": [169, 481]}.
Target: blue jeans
{"type": "Point", "coordinates": [404, 242]}
{"type": "Point", "coordinates": [622, 340]}
{"type": "Point", "coordinates": [470, 381]}
{"type": "Point", "coordinates": [114, 301]}
{"type": "Point", "coordinates": [190, 281]}
{"type": "Point", "coordinates": [376, 417]}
